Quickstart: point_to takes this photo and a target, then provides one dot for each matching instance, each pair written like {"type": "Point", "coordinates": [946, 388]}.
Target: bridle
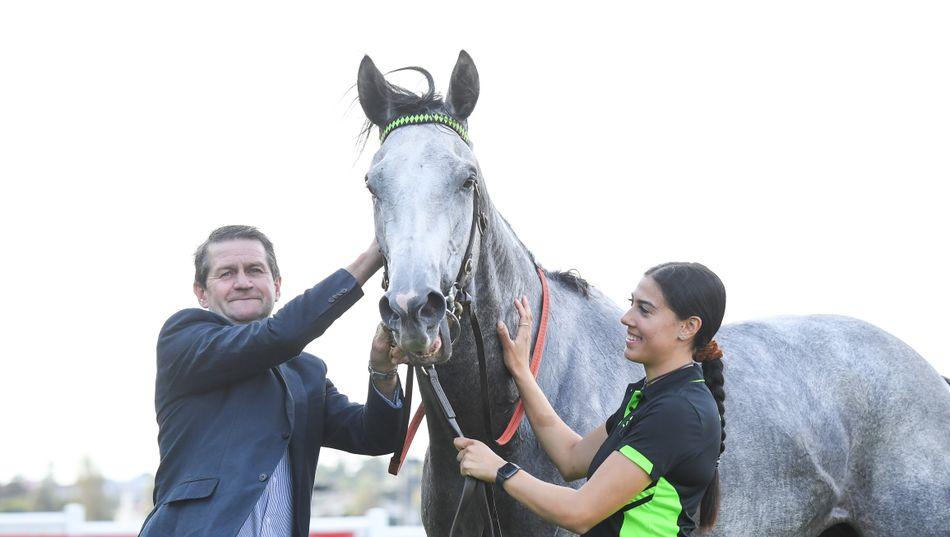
{"type": "Point", "coordinates": [457, 295]}
{"type": "Point", "coordinates": [460, 302]}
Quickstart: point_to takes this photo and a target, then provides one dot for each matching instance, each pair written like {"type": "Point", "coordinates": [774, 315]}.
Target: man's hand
{"type": "Point", "coordinates": [367, 263]}
{"type": "Point", "coordinates": [384, 357]}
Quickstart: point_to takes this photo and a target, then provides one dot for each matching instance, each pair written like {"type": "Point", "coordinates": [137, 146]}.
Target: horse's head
{"type": "Point", "coordinates": [424, 182]}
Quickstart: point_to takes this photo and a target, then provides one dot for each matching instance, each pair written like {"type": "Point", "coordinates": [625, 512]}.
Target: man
{"type": "Point", "coordinates": [242, 411]}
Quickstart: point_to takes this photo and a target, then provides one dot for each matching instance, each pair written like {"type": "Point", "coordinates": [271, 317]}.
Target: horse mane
{"type": "Point", "coordinates": [405, 102]}
{"type": "Point", "coordinates": [573, 280]}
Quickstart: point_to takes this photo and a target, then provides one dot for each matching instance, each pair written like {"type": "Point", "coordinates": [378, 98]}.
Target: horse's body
{"type": "Point", "coordinates": [832, 420]}
{"type": "Point", "coordinates": [829, 420]}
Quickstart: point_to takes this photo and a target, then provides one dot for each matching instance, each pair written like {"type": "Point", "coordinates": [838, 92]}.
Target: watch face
{"type": "Point", "coordinates": [508, 470]}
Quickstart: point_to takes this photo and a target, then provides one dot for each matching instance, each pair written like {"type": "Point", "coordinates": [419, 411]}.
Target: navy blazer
{"type": "Point", "coordinates": [230, 398]}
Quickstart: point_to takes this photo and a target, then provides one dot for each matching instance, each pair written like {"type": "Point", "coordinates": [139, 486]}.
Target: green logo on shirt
{"type": "Point", "coordinates": [631, 405]}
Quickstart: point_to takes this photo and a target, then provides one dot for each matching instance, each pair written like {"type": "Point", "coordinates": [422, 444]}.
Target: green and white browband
{"type": "Point", "coordinates": [419, 119]}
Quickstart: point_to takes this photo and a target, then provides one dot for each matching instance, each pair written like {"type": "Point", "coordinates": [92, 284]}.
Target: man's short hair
{"type": "Point", "coordinates": [227, 233]}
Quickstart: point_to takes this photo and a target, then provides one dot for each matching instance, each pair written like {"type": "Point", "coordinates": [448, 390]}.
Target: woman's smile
{"type": "Point", "coordinates": [633, 340]}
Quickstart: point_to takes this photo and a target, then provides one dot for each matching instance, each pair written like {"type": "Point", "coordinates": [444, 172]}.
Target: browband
{"type": "Point", "coordinates": [419, 119]}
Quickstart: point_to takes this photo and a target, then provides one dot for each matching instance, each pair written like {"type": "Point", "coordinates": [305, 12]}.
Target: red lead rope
{"type": "Point", "coordinates": [395, 464]}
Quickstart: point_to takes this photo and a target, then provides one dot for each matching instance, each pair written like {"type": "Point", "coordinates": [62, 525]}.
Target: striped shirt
{"type": "Point", "coordinates": [273, 515]}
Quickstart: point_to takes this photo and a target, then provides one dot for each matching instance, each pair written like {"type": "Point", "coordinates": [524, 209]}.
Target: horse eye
{"type": "Point", "coordinates": [470, 182]}
{"type": "Point", "coordinates": [366, 178]}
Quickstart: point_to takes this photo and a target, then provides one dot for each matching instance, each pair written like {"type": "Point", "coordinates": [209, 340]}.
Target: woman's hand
{"type": "Point", "coordinates": [477, 460]}
{"type": "Point", "coordinates": [517, 350]}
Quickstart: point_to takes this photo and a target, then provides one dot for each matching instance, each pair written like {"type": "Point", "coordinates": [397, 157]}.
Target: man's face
{"type": "Point", "coordinates": [240, 285]}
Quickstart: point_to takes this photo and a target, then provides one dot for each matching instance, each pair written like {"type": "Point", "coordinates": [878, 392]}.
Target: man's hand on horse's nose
{"type": "Point", "coordinates": [384, 355]}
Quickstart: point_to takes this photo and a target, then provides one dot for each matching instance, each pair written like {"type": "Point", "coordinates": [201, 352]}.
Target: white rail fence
{"type": "Point", "coordinates": [71, 522]}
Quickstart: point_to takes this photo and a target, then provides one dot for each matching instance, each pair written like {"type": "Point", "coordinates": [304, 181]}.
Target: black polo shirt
{"type": "Point", "coordinates": [671, 430]}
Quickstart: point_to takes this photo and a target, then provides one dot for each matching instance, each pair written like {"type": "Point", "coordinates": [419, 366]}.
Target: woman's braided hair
{"type": "Point", "coordinates": [709, 356]}
{"type": "Point", "coordinates": [691, 289]}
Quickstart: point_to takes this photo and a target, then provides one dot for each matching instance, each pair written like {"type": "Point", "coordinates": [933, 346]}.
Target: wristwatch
{"type": "Point", "coordinates": [381, 375]}
{"type": "Point", "coordinates": [505, 472]}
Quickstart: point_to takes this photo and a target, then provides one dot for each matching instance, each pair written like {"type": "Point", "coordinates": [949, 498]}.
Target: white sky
{"type": "Point", "coordinates": [798, 149]}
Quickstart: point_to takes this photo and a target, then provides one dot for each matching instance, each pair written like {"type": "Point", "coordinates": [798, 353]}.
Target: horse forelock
{"type": "Point", "coordinates": [405, 102]}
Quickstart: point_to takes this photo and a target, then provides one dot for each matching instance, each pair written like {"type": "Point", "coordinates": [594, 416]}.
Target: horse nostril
{"type": "Point", "coordinates": [388, 314]}
{"type": "Point", "coordinates": [425, 310]}
{"type": "Point", "coordinates": [433, 309]}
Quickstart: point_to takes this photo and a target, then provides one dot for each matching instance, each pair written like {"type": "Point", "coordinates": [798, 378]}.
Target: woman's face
{"type": "Point", "coordinates": [652, 327]}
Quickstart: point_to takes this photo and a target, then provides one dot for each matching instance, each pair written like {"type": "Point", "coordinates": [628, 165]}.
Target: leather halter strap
{"type": "Point", "coordinates": [454, 308]}
{"type": "Point", "coordinates": [472, 487]}
{"type": "Point", "coordinates": [456, 300]}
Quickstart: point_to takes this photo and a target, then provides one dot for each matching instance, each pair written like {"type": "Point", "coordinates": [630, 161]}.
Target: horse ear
{"type": "Point", "coordinates": [374, 92]}
{"type": "Point", "coordinates": [463, 88]}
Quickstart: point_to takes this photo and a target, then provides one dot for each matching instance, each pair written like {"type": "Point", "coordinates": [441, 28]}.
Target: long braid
{"type": "Point", "coordinates": [710, 357]}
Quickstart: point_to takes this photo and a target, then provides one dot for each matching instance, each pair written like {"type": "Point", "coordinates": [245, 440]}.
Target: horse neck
{"type": "Point", "coordinates": [504, 270]}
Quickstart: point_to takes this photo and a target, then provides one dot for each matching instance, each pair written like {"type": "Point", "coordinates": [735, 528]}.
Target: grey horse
{"type": "Point", "coordinates": [834, 426]}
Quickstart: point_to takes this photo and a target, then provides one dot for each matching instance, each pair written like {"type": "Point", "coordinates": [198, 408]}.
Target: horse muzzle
{"type": "Point", "coordinates": [422, 326]}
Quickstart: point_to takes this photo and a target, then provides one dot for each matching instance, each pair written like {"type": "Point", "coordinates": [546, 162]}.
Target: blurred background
{"type": "Point", "coordinates": [799, 149]}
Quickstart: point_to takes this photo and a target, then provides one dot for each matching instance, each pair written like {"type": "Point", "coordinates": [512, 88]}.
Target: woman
{"type": "Point", "coordinates": [655, 461]}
